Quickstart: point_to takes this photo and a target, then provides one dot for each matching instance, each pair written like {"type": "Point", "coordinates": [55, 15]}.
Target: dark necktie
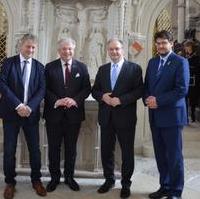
{"type": "Point", "coordinates": [24, 71]}
{"type": "Point", "coordinates": [67, 74]}
{"type": "Point", "coordinates": [159, 72]}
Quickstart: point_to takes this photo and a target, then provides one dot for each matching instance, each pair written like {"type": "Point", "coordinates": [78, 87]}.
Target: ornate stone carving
{"type": "Point", "coordinates": [96, 51]}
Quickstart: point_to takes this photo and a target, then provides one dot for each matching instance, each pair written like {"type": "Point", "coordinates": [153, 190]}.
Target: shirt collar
{"type": "Point", "coordinates": [120, 63]}
{"type": "Point", "coordinates": [166, 57]}
{"type": "Point", "coordinates": [69, 62]}
{"type": "Point", "coordinates": [22, 58]}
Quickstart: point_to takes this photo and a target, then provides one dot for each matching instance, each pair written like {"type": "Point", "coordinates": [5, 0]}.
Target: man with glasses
{"type": "Point", "coordinates": [166, 85]}
{"type": "Point", "coordinates": [118, 86]}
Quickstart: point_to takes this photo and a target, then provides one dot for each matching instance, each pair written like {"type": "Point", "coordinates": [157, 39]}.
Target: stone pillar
{"type": "Point", "coordinates": [181, 20]}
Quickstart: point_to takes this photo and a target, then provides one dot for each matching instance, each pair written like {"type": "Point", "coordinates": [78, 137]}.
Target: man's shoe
{"type": "Point", "coordinates": [51, 186]}
{"type": "Point", "coordinates": [106, 186]}
{"type": "Point", "coordinates": [39, 188]}
{"type": "Point", "coordinates": [125, 192]}
{"type": "Point", "coordinates": [72, 184]}
{"type": "Point", "coordinates": [9, 191]}
{"type": "Point", "coordinates": [159, 194]}
{"type": "Point", "coordinates": [173, 197]}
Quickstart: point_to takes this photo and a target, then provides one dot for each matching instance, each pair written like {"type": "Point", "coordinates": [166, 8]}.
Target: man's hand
{"type": "Point", "coordinates": [115, 101]}
{"type": "Point", "coordinates": [23, 111]}
{"type": "Point", "coordinates": [69, 102]}
{"type": "Point", "coordinates": [151, 102]}
{"type": "Point", "coordinates": [60, 102]}
{"type": "Point", "coordinates": [106, 98]}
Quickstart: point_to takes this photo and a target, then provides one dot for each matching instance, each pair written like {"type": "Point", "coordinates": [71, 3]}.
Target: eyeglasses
{"type": "Point", "coordinates": [114, 49]}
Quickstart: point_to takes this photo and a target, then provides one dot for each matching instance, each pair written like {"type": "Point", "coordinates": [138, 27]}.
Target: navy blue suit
{"type": "Point", "coordinates": [12, 90]}
{"type": "Point", "coordinates": [168, 119]}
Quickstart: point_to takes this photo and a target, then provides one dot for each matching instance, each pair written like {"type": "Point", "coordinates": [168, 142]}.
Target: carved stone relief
{"type": "Point", "coordinates": [84, 22]}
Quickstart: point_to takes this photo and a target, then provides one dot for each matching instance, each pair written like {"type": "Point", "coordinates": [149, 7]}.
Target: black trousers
{"type": "Point", "coordinates": [126, 138]}
{"type": "Point", "coordinates": [56, 132]}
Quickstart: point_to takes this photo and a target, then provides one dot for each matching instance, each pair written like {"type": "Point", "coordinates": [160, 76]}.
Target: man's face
{"type": "Point", "coordinates": [115, 51]}
{"type": "Point", "coordinates": [28, 48]}
{"type": "Point", "coordinates": [163, 46]}
{"type": "Point", "coordinates": [66, 51]}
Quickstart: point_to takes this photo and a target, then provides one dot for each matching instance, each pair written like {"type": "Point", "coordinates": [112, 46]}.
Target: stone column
{"type": "Point", "coordinates": [181, 20]}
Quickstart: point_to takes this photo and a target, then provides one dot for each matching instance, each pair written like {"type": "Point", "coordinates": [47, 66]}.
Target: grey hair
{"type": "Point", "coordinates": [26, 37]}
{"type": "Point", "coordinates": [66, 41]}
{"type": "Point", "coordinates": [115, 39]}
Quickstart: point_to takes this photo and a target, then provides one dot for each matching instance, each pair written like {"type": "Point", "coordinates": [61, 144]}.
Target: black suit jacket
{"type": "Point", "coordinates": [128, 88]}
{"type": "Point", "coordinates": [79, 89]}
{"type": "Point", "coordinates": [12, 89]}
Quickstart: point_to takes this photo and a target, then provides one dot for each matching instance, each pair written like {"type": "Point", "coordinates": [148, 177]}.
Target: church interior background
{"type": "Point", "coordinates": [91, 23]}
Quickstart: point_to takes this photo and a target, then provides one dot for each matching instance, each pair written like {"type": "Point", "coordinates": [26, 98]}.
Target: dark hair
{"type": "Point", "coordinates": [163, 34]}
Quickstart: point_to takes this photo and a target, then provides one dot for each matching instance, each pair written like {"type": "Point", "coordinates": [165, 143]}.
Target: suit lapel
{"type": "Point", "coordinates": [59, 71]}
{"type": "Point", "coordinates": [32, 76]}
{"type": "Point", "coordinates": [73, 69]}
{"type": "Point", "coordinates": [155, 70]}
{"type": "Point", "coordinates": [107, 76]}
{"type": "Point", "coordinates": [18, 69]}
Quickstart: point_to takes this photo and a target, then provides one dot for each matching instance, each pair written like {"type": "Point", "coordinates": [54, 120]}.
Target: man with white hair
{"type": "Point", "coordinates": [67, 87]}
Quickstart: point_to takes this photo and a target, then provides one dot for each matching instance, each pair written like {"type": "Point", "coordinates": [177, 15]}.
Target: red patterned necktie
{"type": "Point", "coordinates": [67, 74]}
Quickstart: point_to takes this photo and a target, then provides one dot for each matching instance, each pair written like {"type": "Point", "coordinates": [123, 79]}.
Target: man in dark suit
{"type": "Point", "coordinates": [118, 86]}
{"type": "Point", "coordinates": [22, 87]}
{"type": "Point", "coordinates": [166, 85]}
{"type": "Point", "coordinates": [67, 87]}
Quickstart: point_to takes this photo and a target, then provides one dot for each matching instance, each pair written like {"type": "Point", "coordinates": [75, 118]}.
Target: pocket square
{"type": "Point", "coordinates": [77, 75]}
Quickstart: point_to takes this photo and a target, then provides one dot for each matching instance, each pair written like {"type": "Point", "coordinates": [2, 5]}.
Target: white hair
{"type": "Point", "coordinates": [115, 39]}
{"type": "Point", "coordinates": [66, 41]}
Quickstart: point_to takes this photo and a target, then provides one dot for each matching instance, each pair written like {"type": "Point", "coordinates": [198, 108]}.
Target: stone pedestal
{"type": "Point", "coordinates": [88, 161]}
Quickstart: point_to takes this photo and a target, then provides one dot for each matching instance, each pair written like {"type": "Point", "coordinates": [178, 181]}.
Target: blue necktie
{"type": "Point", "coordinates": [159, 72]}
{"type": "Point", "coordinates": [24, 71]}
{"type": "Point", "coordinates": [114, 75]}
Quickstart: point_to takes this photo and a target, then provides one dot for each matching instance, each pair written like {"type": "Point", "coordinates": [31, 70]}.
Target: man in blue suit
{"type": "Point", "coordinates": [166, 85]}
{"type": "Point", "coordinates": [22, 87]}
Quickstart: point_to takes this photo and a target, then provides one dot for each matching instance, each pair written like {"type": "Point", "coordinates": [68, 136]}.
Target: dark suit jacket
{"type": "Point", "coordinates": [11, 87]}
{"type": "Point", "coordinates": [79, 89]}
{"type": "Point", "coordinates": [128, 88]}
{"type": "Point", "coordinates": [170, 91]}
